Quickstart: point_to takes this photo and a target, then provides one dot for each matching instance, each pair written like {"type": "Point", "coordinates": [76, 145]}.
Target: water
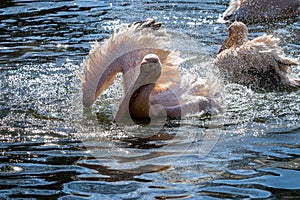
{"type": "Point", "coordinates": [54, 149]}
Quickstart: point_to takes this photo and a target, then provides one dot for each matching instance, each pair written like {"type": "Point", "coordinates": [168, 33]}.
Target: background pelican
{"type": "Point", "coordinates": [261, 10]}
{"type": "Point", "coordinates": [259, 63]}
{"type": "Point", "coordinates": [139, 53]}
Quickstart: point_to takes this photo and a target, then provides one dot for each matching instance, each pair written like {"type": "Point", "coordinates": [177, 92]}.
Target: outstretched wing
{"type": "Point", "coordinates": [123, 51]}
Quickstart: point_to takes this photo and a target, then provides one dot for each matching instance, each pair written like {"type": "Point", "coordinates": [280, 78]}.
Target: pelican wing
{"type": "Point", "coordinates": [267, 44]}
{"type": "Point", "coordinates": [123, 51]}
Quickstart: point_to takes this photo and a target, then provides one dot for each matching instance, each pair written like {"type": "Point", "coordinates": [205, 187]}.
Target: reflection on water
{"type": "Point", "coordinates": [53, 148]}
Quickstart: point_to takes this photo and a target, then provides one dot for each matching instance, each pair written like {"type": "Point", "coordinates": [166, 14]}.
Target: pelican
{"type": "Point", "coordinates": [152, 83]}
{"type": "Point", "coordinates": [261, 10]}
{"type": "Point", "coordinates": [260, 63]}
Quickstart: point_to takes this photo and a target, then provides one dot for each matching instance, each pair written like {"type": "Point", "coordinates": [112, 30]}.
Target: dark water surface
{"type": "Point", "coordinates": [53, 148]}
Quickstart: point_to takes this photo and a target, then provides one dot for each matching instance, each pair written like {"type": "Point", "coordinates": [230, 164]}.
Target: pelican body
{"type": "Point", "coordinates": [259, 64]}
{"type": "Point", "coordinates": [261, 10]}
{"type": "Point", "coordinates": [151, 80]}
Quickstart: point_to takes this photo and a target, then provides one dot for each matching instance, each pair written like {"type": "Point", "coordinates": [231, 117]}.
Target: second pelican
{"type": "Point", "coordinates": [259, 64]}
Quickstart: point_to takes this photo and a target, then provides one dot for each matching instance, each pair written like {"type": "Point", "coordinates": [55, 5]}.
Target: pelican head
{"type": "Point", "coordinates": [238, 35]}
{"type": "Point", "coordinates": [238, 30]}
{"type": "Point", "coordinates": [150, 70]}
